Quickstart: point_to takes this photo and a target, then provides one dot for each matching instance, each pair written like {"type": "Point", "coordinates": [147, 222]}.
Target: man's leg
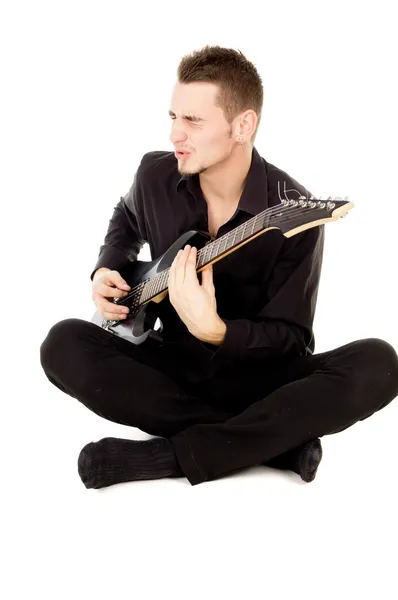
{"type": "Point", "coordinates": [122, 382]}
{"type": "Point", "coordinates": [312, 396]}
{"type": "Point", "coordinates": [97, 369]}
{"type": "Point", "coordinates": [127, 384]}
{"type": "Point", "coordinates": [130, 385]}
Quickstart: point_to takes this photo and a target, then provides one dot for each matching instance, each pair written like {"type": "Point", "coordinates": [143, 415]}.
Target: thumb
{"type": "Point", "coordinates": [207, 278]}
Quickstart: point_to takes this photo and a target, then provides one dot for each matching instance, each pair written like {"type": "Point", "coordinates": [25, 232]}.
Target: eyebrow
{"type": "Point", "coordinates": [187, 117]}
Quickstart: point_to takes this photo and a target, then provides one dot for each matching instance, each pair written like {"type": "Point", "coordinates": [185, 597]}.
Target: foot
{"type": "Point", "coordinates": [114, 460]}
{"type": "Point", "coordinates": [303, 460]}
{"type": "Point", "coordinates": [309, 458]}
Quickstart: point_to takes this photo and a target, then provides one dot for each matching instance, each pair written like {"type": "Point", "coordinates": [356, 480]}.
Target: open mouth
{"type": "Point", "coordinates": [181, 154]}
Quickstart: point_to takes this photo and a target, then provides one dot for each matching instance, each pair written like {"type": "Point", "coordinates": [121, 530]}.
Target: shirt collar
{"type": "Point", "coordinates": [254, 197]}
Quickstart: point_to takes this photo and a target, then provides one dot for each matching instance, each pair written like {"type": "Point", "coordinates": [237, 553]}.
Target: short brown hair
{"type": "Point", "coordinates": [240, 86]}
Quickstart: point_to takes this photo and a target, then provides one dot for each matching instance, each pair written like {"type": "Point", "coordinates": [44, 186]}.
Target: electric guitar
{"type": "Point", "coordinates": [149, 280]}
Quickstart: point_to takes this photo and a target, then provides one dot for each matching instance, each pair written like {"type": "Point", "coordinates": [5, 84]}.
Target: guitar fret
{"type": "Point", "coordinates": [157, 287]}
{"type": "Point", "coordinates": [246, 230]}
{"type": "Point", "coordinates": [207, 252]}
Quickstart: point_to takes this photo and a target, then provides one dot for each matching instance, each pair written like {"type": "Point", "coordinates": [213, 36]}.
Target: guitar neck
{"type": "Point", "coordinates": [291, 218]}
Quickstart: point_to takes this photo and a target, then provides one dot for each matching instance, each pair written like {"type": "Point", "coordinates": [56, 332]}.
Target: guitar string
{"type": "Point", "coordinates": [234, 232]}
{"type": "Point", "coordinates": [289, 216]}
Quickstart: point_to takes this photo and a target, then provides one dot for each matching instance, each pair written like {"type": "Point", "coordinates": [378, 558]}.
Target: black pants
{"type": "Point", "coordinates": [239, 417]}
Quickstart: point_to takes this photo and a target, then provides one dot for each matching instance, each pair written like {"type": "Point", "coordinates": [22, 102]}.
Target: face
{"type": "Point", "coordinates": [199, 126]}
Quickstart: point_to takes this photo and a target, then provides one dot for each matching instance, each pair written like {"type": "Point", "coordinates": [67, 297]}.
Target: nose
{"type": "Point", "coordinates": [177, 134]}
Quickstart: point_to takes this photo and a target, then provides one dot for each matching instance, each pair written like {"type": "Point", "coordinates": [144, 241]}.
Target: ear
{"type": "Point", "coordinates": [248, 123]}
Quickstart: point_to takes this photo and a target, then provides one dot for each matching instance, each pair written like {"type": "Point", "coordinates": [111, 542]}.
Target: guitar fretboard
{"type": "Point", "coordinates": [286, 217]}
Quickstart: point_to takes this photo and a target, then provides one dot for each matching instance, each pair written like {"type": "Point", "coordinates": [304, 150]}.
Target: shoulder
{"type": "Point", "coordinates": [281, 185]}
{"type": "Point", "coordinates": [161, 162]}
{"type": "Point", "coordinates": [152, 172]}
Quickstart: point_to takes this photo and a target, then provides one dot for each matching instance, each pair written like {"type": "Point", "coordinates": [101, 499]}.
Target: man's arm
{"type": "Point", "coordinates": [126, 231]}
{"type": "Point", "coordinates": [284, 324]}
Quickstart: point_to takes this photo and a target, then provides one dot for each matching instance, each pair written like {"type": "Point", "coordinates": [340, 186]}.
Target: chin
{"type": "Point", "coordinates": [187, 171]}
{"type": "Point", "coordinates": [190, 170]}
{"type": "Point", "coordinates": [194, 170]}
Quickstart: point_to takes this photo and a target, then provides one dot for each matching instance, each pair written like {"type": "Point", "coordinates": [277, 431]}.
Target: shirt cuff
{"type": "Point", "coordinates": [112, 258]}
{"type": "Point", "coordinates": [234, 343]}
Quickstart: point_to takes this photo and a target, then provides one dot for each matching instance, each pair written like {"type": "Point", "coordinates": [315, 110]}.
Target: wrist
{"type": "Point", "coordinates": [216, 334]}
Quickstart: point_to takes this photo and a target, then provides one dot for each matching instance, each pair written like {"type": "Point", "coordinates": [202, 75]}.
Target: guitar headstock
{"type": "Point", "coordinates": [303, 213]}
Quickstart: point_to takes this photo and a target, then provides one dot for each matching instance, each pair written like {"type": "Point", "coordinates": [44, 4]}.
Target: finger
{"type": "Point", "coordinates": [113, 308]}
{"type": "Point", "coordinates": [207, 278]}
{"type": "Point", "coordinates": [180, 266]}
{"type": "Point", "coordinates": [177, 258]}
{"type": "Point", "coordinates": [172, 275]}
{"type": "Point", "coordinates": [190, 267]}
{"type": "Point", "coordinates": [116, 279]}
{"type": "Point", "coordinates": [207, 274]}
{"type": "Point", "coordinates": [112, 313]}
{"type": "Point", "coordinates": [108, 291]}
{"type": "Point", "coordinates": [114, 316]}
{"type": "Point", "coordinates": [109, 308]}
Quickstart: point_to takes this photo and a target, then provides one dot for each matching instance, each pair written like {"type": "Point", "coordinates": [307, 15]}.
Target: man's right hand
{"type": "Point", "coordinates": [109, 284]}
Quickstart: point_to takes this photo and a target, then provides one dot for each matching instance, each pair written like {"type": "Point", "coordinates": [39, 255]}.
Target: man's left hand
{"type": "Point", "coordinates": [195, 303]}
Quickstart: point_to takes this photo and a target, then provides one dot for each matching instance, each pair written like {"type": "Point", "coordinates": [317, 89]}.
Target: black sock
{"type": "Point", "coordinates": [309, 459]}
{"type": "Point", "coordinates": [114, 460]}
{"type": "Point", "coordinates": [303, 460]}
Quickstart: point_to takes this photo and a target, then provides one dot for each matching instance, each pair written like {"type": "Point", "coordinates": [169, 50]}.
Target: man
{"type": "Point", "coordinates": [235, 382]}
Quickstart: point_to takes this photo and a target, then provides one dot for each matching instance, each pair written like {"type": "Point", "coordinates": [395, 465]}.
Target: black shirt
{"type": "Point", "coordinates": [266, 290]}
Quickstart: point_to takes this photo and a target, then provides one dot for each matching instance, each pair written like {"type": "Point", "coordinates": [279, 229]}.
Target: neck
{"type": "Point", "coordinates": [225, 181]}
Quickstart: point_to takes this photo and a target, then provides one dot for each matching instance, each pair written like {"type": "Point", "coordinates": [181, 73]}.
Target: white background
{"type": "Point", "coordinates": [86, 88]}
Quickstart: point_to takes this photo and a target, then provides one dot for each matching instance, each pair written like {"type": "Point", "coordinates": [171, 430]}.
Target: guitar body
{"type": "Point", "coordinates": [140, 327]}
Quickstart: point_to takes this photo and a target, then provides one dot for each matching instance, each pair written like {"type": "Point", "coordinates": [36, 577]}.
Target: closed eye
{"type": "Point", "coordinates": [190, 118]}
{"type": "Point", "coordinates": [187, 119]}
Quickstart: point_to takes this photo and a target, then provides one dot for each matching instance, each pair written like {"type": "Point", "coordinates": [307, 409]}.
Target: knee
{"type": "Point", "coordinates": [379, 358]}
{"type": "Point", "coordinates": [379, 351]}
{"type": "Point", "coordinates": [57, 340]}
